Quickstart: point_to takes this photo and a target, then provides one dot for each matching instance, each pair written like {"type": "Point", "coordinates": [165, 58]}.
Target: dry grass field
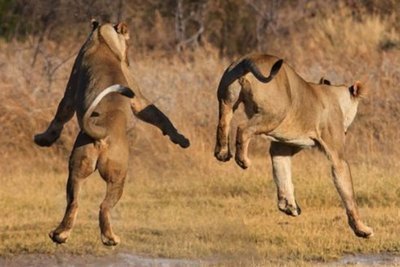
{"type": "Point", "coordinates": [223, 214]}
{"type": "Point", "coordinates": [184, 203]}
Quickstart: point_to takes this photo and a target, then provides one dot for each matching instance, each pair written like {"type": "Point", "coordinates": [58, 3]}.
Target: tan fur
{"type": "Point", "coordinates": [294, 114]}
{"type": "Point", "coordinates": [98, 90]}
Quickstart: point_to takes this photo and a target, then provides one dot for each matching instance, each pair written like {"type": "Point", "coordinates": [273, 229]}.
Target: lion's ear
{"type": "Point", "coordinates": [122, 28]}
{"type": "Point", "coordinates": [324, 81]}
{"type": "Point", "coordinates": [357, 89]}
{"type": "Point", "coordinates": [95, 24]}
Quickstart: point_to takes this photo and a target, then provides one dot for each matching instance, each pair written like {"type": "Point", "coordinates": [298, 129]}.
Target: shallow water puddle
{"type": "Point", "coordinates": [120, 259]}
{"type": "Point", "coordinates": [384, 259]}
{"type": "Point", "coordinates": [134, 260]}
{"type": "Point", "coordinates": [127, 259]}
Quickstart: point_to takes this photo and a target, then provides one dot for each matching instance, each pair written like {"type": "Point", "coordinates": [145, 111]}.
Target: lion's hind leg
{"type": "Point", "coordinates": [112, 166]}
{"type": "Point", "coordinates": [343, 182]}
{"type": "Point", "coordinates": [113, 195]}
{"type": "Point", "coordinates": [82, 163]}
{"type": "Point", "coordinates": [258, 124]}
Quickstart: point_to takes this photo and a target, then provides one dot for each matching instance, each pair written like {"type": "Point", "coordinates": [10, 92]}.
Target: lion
{"type": "Point", "coordinates": [294, 114]}
{"type": "Point", "coordinates": [104, 94]}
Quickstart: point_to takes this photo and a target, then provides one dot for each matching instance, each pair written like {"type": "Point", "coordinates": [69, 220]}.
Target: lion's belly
{"type": "Point", "coordinates": [301, 141]}
{"type": "Point", "coordinates": [298, 136]}
{"type": "Point", "coordinates": [297, 128]}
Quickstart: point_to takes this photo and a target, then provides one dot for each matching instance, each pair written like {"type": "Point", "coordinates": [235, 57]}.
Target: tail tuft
{"type": "Point", "coordinates": [125, 91]}
{"type": "Point", "coordinates": [276, 67]}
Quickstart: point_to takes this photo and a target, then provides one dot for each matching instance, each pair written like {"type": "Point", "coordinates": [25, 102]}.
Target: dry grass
{"type": "Point", "coordinates": [184, 204]}
{"type": "Point", "coordinates": [228, 214]}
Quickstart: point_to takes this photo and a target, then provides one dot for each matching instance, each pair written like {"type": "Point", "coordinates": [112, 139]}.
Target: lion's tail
{"type": "Point", "coordinates": [245, 66]}
{"type": "Point", "coordinates": [251, 66]}
{"type": "Point", "coordinates": [88, 126]}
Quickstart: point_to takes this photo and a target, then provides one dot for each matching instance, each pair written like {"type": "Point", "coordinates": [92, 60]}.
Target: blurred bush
{"type": "Point", "coordinates": [233, 26]}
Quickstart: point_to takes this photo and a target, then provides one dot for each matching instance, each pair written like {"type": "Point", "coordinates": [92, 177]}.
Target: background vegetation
{"type": "Point", "coordinates": [183, 203]}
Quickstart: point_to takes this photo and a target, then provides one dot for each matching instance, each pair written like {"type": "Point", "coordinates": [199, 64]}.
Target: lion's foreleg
{"type": "Point", "coordinates": [244, 134]}
{"type": "Point", "coordinates": [65, 112]}
{"type": "Point", "coordinates": [281, 155]}
{"type": "Point", "coordinates": [222, 149]}
{"type": "Point", "coordinates": [151, 114]}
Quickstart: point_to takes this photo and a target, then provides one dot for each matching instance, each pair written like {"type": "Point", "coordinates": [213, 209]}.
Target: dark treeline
{"type": "Point", "coordinates": [232, 26]}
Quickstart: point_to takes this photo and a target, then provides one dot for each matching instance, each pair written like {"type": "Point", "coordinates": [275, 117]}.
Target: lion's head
{"type": "Point", "coordinates": [348, 97]}
{"type": "Point", "coordinates": [115, 36]}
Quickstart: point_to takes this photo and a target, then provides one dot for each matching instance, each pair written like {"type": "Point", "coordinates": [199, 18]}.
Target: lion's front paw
{"type": "Point", "coordinates": [110, 241]}
{"type": "Point", "coordinates": [59, 237]}
{"type": "Point", "coordinates": [179, 139]}
{"type": "Point", "coordinates": [47, 138]}
{"type": "Point", "coordinates": [289, 209]}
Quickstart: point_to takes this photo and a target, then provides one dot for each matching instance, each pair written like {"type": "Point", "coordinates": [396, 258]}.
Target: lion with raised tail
{"type": "Point", "coordinates": [103, 92]}
{"type": "Point", "coordinates": [294, 114]}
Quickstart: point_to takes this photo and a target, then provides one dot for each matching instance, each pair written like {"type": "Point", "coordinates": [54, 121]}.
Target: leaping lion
{"type": "Point", "coordinates": [103, 92]}
{"type": "Point", "coordinates": [294, 114]}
